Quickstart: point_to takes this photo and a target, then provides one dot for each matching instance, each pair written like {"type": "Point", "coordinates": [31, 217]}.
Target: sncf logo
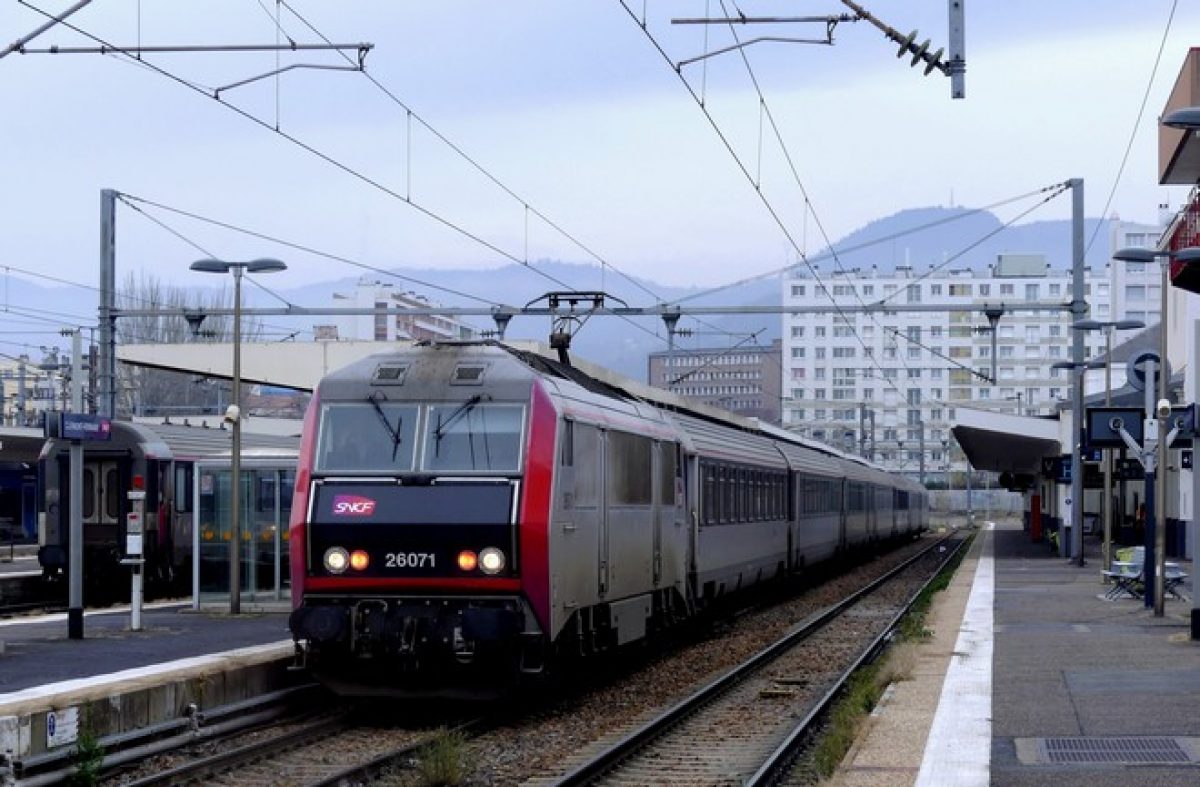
{"type": "Point", "coordinates": [353, 505]}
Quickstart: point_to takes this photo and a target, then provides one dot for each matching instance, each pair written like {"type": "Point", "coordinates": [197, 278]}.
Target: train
{"type": "Point", "coordinates": [182, 507]}
{"type": "Point", "coordinates": [467, 514]}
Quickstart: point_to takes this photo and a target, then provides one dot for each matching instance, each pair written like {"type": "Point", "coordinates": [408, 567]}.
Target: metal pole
{"type": "Point", "coordinates": [1107, 508]}
{"type": "Point", "coordinates": [1195, 627]}
{"type": "Point", "coordinates": [1160, 532]}
{"type": "Point", "coordinates": [1150, 461]}
{"type": "Point", "coordinates": [235, 543]}
{"type": "Point", "coordinates": [75, 533]}
{"type": "Point", "coordinates": [1079, 309]}
{"type": "Point", "coordinates": [107, 403]}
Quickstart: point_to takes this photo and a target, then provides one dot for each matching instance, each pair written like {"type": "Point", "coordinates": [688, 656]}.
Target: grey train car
{"type": "Point", "coordinates": [505, 509]}
{"type": "Point", "coordinates": [159, 459]}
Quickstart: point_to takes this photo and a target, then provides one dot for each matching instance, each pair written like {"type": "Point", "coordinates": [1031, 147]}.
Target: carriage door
{"type": "Point", "coordinates": [101, 503]}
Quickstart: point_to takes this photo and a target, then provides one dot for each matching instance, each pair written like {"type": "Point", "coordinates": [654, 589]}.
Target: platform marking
{"type": "Point", "coordinates": [959, 748]}
{"type": "Point", "coordinates": [58, 617]}
{"type": "Point", "coordinates": [194, 664]}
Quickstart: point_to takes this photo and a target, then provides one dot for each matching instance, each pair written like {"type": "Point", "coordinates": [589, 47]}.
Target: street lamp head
{"type": "Point", "coordinates": [1187, 119]}
{"type": "Point", "coordinates": [264, 265]}
{"type": "Point", "coordinates": [1073, 365]}
{"type": "Point", "coordinates": [1096, 325]}
{"type": "Point", "coordinates": [1134, 254]}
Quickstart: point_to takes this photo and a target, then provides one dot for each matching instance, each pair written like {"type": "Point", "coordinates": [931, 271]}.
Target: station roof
{"type": "Point", "coordinates": [20, 444]}
{"type": "Point", "coordinates": [299, 365]}
{"type": "Point", "coordinates": [1002, 442]}
{"type": "Point", "coordinates": [1179, 150]}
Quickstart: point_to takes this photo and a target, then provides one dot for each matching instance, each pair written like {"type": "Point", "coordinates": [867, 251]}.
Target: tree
{"type": "Point", "coordinates": [143, 391]}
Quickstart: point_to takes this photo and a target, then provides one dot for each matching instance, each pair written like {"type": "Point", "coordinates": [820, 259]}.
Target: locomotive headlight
{"type": "Point", "coordinates": [491, 560]}
{"type": "Point", "coordinates": [467, 560]}
{"type": "Point", "coordinates": [359, 559]}
{"type": "Point", "coordinates": [336, 560]}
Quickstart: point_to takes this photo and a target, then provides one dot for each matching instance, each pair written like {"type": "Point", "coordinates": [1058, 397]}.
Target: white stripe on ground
{"type": "Point", "coordinates": [959, 749]}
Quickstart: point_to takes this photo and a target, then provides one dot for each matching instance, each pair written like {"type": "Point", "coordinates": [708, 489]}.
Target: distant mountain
{"type": "Point", "coordinates": [972, 238]}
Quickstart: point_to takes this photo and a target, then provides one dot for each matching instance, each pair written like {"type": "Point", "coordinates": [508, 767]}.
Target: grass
{"type": "Point", "coordinates": [440, 763]}
{"type": "Point", "coordinates": [867, 684]}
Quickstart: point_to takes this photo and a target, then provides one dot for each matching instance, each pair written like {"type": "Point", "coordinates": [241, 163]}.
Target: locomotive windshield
{"type": "Point", "coordinates": [367, 436]}
{"type": "Point", "coordinates": [376, 436]}
{"type": "Point", "coordinates": [473, 437]}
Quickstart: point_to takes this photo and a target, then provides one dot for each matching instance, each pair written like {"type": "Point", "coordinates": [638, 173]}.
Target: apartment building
{"type": "Point", "coordinates": [887, 383]}
{"type": "Point", "coordinates": [743, 380]}
{"type": "Point", "coordinates": [399, 323]}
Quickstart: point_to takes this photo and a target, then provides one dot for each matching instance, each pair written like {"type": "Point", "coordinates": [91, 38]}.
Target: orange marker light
{"type": "Point", "coordinates": [359, 559]}
{"type": "Point", "coordinates": [467, 560]}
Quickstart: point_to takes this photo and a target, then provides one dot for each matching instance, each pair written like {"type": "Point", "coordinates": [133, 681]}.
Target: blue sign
{"type": "Point", "coordinates": [82, 426]}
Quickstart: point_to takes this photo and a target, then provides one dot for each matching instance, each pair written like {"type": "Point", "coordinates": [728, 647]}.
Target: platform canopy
{"type": "Point", "coordinates": [299, 365]}
{"type": "Point", "coordinates": [1001, 442]}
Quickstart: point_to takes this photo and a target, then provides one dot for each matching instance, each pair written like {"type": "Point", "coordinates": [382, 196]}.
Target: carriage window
{"type": "Point", "coordinates": [357, 437]}
{"type": "Point", "coordinates": [586, 443]}
{"type": "Point", "coordinates": [709, 503]}
{"type": "Point", "coordinates": [89, 492]}
{"type": "Point", "coordinates": [112, 494]}
{"type": "Point", "coordinates": [667, 470]}
{"type": "Point", "coordinates": [183, 490]}
{"type": "Point", "coordinates": [266, 491]}
{"type": "Point", "coordinates": [629, 470]}
{"type": "Point", "coordinates": [566, 454]}
{"type": "Point", "coordinates": [472, 437]}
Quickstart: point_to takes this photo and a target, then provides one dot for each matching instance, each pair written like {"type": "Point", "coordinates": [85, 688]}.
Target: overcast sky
{"type": "Point", "coordinates": [570, 106]}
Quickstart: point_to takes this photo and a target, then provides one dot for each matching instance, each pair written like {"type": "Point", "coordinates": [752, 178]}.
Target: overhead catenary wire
{"type": "Point", "coordinates": [825, 255]}
{"type": "Point", "coordinates": [771, 209]}
{"type": "Point", "coordinates": [1133, 132]}
{"type": "Point", "coordinates": [528, 209]}
{"type": "Point", "coordinates": [329, 159]}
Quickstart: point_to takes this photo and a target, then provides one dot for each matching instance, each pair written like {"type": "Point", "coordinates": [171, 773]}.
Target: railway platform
{"type": "Point", "coordinates": [115, 679]}
{"type": "Point", "coordinates": [1033, 677]}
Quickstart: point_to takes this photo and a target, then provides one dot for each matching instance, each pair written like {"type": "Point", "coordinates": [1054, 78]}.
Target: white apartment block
{"type": "Point", "coordinates": [398, 324]}
{"type": "Point", "coordinates": [909, 370]}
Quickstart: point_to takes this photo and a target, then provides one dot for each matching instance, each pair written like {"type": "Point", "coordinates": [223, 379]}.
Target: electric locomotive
{"type": "Point", "coordinates": [466, 513]}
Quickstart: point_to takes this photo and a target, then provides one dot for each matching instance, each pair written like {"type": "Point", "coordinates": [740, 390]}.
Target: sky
{"type": "Point", "coordinates": [569, 113]}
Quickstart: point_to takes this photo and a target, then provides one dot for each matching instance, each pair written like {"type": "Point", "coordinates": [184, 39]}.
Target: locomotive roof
{"type": "Point", "coordinates": [700, 421]}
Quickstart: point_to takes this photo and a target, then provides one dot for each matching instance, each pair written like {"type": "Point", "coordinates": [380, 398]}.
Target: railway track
{"type": "Point", "coordinates": [742, 727]}
{"type": "Point", "coordinates": [335, 749]}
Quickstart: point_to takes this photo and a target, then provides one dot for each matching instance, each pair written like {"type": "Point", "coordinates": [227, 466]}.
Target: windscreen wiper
{"type": "Point", "coordinates": [459, 412]}
{"type": "Point", "coordinates": [393, 431]}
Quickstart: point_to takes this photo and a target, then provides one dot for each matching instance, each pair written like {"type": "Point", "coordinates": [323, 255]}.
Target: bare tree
{"type": "Point", "coordinates": [157, 391]}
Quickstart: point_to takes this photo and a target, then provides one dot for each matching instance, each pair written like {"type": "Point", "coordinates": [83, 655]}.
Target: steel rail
{"type": "Point", "coordinates": [134, 746]}
{"type": "Point", "coordinates": [641, 737]}
{"type": "Point", "coordinates": [370, 771]}
{"type": "Point", "coordinates": [781, 759]}
{"type": "Point", "coordinates": [198, 771]}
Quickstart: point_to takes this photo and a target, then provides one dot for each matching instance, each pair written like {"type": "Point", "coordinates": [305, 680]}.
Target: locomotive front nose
{"type": "Point", "coordinates": [324, 624]}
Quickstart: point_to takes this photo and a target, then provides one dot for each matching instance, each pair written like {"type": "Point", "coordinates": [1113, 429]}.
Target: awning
{"type": "Point", "coordinates": [1001, 442]}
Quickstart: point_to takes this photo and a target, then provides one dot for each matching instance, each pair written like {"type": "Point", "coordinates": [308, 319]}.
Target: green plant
{"type": "Point", "coordinates": [440, 762]}
{"type": "Point", "coordinates": [89, 758]}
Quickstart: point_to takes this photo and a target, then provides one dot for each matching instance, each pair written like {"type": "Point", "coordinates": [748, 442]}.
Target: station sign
{"type": "Point", "coordinates": [84, 426]}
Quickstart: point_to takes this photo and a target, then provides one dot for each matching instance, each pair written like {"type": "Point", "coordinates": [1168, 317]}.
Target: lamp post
{"type": "Point", "coordinates": [1157, 547]}
{"type": "Point", "coordinates": [1108, 326]}
{"type": "Point", "coordinates": [1076, 551]}
{"type": "Point", "coordinates": [234, 413]}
